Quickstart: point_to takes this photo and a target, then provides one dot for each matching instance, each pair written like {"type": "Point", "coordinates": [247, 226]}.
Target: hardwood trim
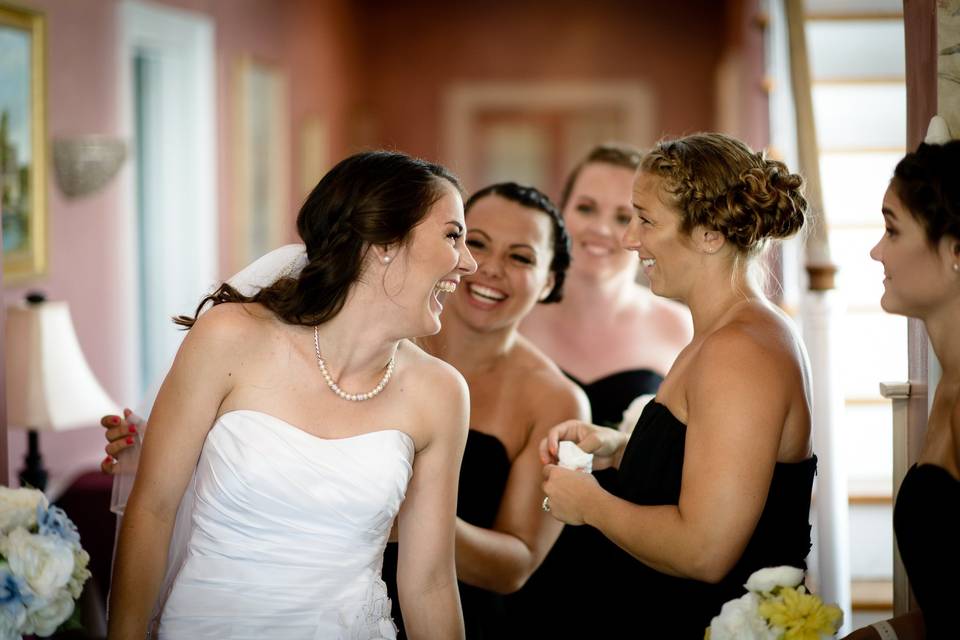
{"type": "Point", "coordinates": [865, 150]}
{"type": "Point", "coordinates": [4, 471]}
{"type": "Point", "coordinates": [872, 595]}
{"type": "Point", "coordinates": [819, 264]}
{"type": "Point", "coordinates": [871, 499]}
{"type": "Point", "coordinates": [822, 277]}
{"type": "Point", "coordinates": [853, 17]}
{"type": "Point", "coordinates": [859, 80]}
{"type": "Point", "coordinates": [862, 401]}
{"type": "Point", "coordinates": [920, 35]}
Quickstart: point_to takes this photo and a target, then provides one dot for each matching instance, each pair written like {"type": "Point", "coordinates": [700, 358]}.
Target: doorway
{"type": "Point", "coordinates": [168, 93]}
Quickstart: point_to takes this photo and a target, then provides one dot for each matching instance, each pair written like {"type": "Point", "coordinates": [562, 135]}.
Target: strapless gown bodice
{"type": "Point", "coordinates": [287, 533]}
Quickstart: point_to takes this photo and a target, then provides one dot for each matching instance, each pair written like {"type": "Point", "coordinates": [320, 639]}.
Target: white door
{"type": "Point", "coordinates": [167, 91]}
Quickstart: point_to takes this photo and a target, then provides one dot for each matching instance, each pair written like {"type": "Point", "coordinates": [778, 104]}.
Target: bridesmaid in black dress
{"type": "Point", "coordinates": [611, 336]}
{"type": "Point", "coordinates": [920, 253]}
{"type": "Point", "coordinates": [716, 478]}
{"type": "Point", "coordinates": [516, 394]}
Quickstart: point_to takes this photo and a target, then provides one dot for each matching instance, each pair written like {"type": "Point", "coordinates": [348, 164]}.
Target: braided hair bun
{"type": "Point", "coordinates": [717, 182]}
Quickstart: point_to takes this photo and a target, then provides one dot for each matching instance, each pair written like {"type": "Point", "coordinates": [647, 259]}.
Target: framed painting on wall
{"type": "Point", "coordinates": [261, 160]}
{"type": "Point", "coordinates": [23, 144]}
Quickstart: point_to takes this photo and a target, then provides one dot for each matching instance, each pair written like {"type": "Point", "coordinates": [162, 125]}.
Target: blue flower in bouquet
{"type": "Point", "coordinates": [14, 591]}
{"type": "Point", "coordinates": [53, 521]}
{"type": "Point", "coordinates": [15, 597]}
{"type": "Point", "coordinates": [42, 566]}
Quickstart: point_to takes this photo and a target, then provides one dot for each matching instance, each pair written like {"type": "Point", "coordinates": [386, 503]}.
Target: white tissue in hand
{"type": "Point", "coordinates": [573, 457]}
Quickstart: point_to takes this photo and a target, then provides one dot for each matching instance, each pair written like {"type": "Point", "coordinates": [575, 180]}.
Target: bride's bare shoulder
{"type": "Point", "coordinates": [238, 328]}
{"type": "Point", "coordinates": [423, 370]}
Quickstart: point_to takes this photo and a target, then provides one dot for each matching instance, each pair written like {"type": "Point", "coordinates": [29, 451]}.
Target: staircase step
{"type": "Point", "coordinates": [871, 595]}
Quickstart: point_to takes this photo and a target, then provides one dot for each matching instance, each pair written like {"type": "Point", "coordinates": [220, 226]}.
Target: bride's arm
{"type": "Point", "coordinates": [426, 575]}
{"type": "Point", "coordinates": [287, 260]}
{"type": "Point", "coordinates": [185, 409]}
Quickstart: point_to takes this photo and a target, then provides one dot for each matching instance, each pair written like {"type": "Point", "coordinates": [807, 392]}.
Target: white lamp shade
{"type": "Point", "coordinates": [49, 384]}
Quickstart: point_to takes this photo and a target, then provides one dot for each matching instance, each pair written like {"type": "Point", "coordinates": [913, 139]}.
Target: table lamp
{"type": "Point", "coordinates": [49, 384]}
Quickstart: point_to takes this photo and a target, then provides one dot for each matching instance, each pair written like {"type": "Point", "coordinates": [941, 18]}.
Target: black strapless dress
{"type": "Point", "coordinates": [483, 478]}
{"type": "Point", "coordinates": [650, 474]}
{"type": "Point", "coordinates": [926, 519]}
{"type": "Point", "coordinates": [570, 572]}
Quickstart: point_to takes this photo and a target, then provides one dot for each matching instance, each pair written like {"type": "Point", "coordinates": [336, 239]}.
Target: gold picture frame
{"type": "Point", "coordinates": [23, 143]}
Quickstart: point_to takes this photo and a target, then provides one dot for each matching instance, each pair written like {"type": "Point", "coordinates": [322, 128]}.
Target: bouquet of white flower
{"type": "Point", "coordinates": [42, 566]}
{"type": "Point", "coordinates": [775, 607]}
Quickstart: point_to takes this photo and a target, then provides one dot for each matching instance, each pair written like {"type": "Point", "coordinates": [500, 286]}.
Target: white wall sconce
{"type": "Point", "coordinates": [85, 164]}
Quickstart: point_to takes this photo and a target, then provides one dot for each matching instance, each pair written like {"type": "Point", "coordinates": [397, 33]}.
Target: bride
{"type": "Point", "coordinates": [305, 422]}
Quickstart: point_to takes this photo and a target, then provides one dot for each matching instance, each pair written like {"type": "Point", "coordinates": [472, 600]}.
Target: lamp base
{"type": "Point", "coordinates": [33, 474]}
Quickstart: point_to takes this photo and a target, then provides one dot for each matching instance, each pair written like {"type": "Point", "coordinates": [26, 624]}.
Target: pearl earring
{"type": "Point", "coordinates": [386, 259]}
{"type": "Point", "coordinates": [956, 267]}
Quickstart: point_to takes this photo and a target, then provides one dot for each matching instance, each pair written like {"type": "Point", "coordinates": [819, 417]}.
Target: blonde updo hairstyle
{"type": "Point", "coordinates": [717, 182]}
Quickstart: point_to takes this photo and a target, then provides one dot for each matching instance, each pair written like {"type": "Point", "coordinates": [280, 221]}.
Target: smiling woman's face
{"type": "Point", "coordinates": [513, 247]}
{"type": "Point", "coordinates": [917, 275]}
{"type": "Point", "coordinates": [597, 213]}
{"type": "Point", "coordinates": [430, 265]}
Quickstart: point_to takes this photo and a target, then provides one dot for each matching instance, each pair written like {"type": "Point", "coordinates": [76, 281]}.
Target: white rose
{"type": "Point", "coordinates": [740, 620]}
{"type": "Point", "coordinates": [18, 507]}
{"type": "Point", "coordinates": [766, 580]}
{"type": "Point", "coordinates": [44, 616]}
{"type": "Point", "coordinates": [45, 562]}
{"type": "Point", "coordinates": [80, 573]}
{"type": "Point", "coordinates": [632, 414]}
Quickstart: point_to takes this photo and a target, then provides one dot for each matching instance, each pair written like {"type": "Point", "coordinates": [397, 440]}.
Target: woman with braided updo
{"type": "Point", "coordinates": [296, 424]}
{"type": "Point", "coordinates": [715, 480]}
{"type": "Point", "coordinates": [612, 337]}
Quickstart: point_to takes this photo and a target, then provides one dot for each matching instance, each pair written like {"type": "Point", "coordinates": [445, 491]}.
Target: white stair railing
{"type": "Point", "coordinates": [899, 394]}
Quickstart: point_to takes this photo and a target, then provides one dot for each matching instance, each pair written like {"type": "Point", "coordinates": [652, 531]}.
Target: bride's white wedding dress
{"type": "Point", "coordinates": [286, 535]}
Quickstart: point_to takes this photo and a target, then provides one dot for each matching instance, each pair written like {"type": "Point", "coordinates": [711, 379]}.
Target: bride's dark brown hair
{"type": "Point", "coordinates": [371, 198]}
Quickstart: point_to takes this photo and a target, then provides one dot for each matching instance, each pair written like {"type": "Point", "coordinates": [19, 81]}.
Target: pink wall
{"type": "Point", "coordinates": [744, 41]}
{"type": "Point", "coordinates": [82, 99]}
{"type": "Point", "coordinates": [310, 40]}
{"type": "Point", "coordinates": [421, 47]}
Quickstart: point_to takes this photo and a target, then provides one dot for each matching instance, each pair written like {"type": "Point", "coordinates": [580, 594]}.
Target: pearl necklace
{"type": "Point", "coordinates": [353, 397]}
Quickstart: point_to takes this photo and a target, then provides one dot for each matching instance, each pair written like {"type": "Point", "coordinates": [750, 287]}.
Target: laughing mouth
{"type": "Point", "coordinates": [647, 262]}
{"type": "Point", "coordinates": [446, 286]}
{"type": "Point", "coordinates": [487, 294]}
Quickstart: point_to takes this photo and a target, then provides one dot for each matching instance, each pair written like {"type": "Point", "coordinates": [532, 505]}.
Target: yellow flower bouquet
{"type": "Point", "coordinates": [776, 607]}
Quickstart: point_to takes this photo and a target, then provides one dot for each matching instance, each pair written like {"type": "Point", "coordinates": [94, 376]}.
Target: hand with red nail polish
{"type": "Point", "coordinates": [119, 435]}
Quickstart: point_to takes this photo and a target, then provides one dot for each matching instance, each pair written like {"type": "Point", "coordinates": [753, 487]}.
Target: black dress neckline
{"type": "Point", "coordinates": [926, 520]}
{"type": "Point", "coordinates": [616, 375]}
{"type": "Point", "coordinates": [611, 395]}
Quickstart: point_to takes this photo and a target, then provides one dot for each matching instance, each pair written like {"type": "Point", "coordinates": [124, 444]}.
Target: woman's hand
{"type": "Point", "coordinates": [605, 444]}
{"type": "Point", "coordinates": [120, 434]}
{"type": "Point", "coordinates": [567, 492]}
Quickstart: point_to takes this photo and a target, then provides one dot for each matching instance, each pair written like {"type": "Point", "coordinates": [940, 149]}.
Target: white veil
{"type": "Point", "coordinates": [288, 260]}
